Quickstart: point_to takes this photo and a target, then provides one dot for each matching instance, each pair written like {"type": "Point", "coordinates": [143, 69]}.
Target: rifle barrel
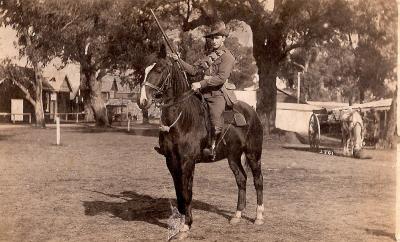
{"type": "Point", "coordinates": [163, 33]}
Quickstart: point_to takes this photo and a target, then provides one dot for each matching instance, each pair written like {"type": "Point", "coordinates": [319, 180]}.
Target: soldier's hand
{"type": "Point", "coordinates": [174, 56]}
{"type": "Point", "coordinates": [196, 86]}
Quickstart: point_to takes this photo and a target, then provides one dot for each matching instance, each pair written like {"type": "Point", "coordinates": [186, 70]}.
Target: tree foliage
{"type": "Point", "coordinates": [22, 77]}
{"type": "Point", "coordinates": [340, 44]}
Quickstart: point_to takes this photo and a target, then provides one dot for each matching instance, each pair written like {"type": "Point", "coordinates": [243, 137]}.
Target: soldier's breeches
{"type": "Point", "coordinates": [217, 106]}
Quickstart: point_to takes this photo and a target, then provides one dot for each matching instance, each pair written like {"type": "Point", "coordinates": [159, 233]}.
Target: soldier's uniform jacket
{"type": "Point", "coordinates": [217, 67]}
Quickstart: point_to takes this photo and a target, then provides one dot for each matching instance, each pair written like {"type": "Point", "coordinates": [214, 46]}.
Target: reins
{"type": "Point", "coordinates": [166, 84]}
{"type": "Point", "coordinates": [165, 128]}
{"type": "Point", "coordinates": [184, 97]}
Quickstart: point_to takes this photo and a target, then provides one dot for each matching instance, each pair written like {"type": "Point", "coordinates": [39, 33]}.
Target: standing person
{"type": "Point", "coordinates": [217, 67]}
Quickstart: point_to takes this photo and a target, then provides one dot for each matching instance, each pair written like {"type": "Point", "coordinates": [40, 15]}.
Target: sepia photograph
{"type": "Point", "coordinates": [199, 120]}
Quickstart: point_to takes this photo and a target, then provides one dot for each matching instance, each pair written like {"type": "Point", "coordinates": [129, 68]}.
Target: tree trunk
{"type": "Point", "coordinates": [96, 102]}
{"type": "Point", "coordinates": [389, 138]}
{"type": "Point", "coordinates": [39, 112]}
{"type": "Point", "coordinates": [89, 115]}
{"type": "Point", "coordinates": [266, 96]}
{"type": "Point", "coordinates": [351, 99]}
{"type": "Point", "coordinates": [85, 92]}
{"type": "Point", "coordinates": [362, 93]}
{"type": "Point", "coordinates": [267, 50]}
{"type": "Point", "coordinates": [145, 113]}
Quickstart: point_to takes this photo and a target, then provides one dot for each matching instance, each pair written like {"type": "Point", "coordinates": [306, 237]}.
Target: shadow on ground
{"type": "Point", "coordinates": [150, 130]}
{"type": "Point", "coordinates": [141, 207]}
{"type": "Point", "coordinates": [378, 232]}
{"type": "Point", "coordinates": [5, 137]}
{"type": "Point", "coordinates": [324, 151]}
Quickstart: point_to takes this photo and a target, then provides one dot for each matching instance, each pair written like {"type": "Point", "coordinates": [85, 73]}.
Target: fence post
{"type": "Point", "coordinates": [58, 130]}
{"type": "Point", "coordinates": [129, 125]}
{"type": "Point", "coordinates": [77, 117]}
{"type": "Point", "coordinates": [30, 118]}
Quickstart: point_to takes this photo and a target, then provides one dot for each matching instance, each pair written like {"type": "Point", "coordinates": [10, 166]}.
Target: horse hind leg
{"type": "Point", "coordinates": [241, 179]}
{"type": "Point", "coordinates": [254, 162]}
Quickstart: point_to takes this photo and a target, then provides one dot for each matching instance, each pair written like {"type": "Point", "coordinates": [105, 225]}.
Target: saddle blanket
{"type": "Point", "coordinates": [234, 118]}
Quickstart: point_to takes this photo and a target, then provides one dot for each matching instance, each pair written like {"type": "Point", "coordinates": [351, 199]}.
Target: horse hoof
{"type": "Point", "coordinates": [180, 236]}
{"type": "Point", "coordinates": [259, 222]}
{"type": "Point", "coordinates": [234, 220]}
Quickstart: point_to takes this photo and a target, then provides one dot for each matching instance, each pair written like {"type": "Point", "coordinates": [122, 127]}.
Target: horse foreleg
{"type": "Point", "coordinates": [183, 181]}
{"type": "Point", "coordinates": [187, 185]}
{"type": "Point", "coordinates": [255, 166]}
{"type": "Point", "coordinates": [241, 178]}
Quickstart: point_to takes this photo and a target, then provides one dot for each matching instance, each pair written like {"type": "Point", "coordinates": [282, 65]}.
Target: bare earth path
{"type": "Point", "coordinates": [103, 185]}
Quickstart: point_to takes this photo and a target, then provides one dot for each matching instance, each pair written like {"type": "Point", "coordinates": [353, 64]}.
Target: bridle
{"type": "Point", "coordinates": [160, 90]}
{"type": "Point", "coordinates": [159, 96]}
{"type": "Point", "coordinates": [166, 83]}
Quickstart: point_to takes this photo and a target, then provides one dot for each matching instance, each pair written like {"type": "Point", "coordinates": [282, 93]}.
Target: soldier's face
{"type": "Point", "coordinates": [217, 41]}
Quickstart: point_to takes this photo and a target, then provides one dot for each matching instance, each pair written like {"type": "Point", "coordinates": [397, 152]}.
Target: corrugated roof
{"type": "Point", "coordinates": [296, 106]}
{"type": "Point", "coordinates": [379, 104]}
{"type": "Point", "coordinates": [328, 105]}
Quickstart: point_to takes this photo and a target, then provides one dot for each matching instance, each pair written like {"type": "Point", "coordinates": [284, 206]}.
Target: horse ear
{"type": "Point", "coordinates": [163, 52]}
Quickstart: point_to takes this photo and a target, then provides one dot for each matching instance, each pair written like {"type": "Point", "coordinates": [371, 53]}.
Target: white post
{"type": "Point", "coordinates": [58, 130]}
{"type": "Point", "coordinates": [129, 124]}
{"type": "Point", "coordinates": [298, 87]}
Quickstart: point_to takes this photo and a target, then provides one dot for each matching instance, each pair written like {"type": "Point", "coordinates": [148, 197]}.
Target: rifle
{"type": "Point", "coordinates": [169, 44]}
{"type": "Point", "coordinates": [163, 33]}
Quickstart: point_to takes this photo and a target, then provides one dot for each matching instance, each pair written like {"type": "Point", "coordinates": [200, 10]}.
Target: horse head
{"type": "Point", "coordinates": [162, 80]}
{"type": "Point", "coordinates": [155, 81]}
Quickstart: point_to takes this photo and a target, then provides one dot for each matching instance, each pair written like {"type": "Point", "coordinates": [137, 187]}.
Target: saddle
{"type": "Point", "coordinates": [234, 117]}
{"type": "Point", "coordinates": [230, 116]}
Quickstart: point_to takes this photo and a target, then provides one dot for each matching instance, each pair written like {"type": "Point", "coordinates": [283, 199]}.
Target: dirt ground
{"type": "Point", "coordinates": [109, 185]}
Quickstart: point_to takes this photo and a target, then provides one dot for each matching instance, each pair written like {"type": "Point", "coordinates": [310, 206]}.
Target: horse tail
{"type": "Point", "coordinates": [254, 133]}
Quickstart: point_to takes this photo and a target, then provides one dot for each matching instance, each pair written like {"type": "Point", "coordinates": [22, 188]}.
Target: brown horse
{"type": "Point", "coordinates": [184, 135]}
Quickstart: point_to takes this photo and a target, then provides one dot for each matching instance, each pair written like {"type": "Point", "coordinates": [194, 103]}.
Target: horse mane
{"type": "Point", "coordinates": [191, 116]}
{"type": "Point", "coordinates": [179, 83]}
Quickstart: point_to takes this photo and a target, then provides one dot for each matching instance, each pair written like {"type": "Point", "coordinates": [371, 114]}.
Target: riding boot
{"type": "Point", "coordinates": [211, 151]}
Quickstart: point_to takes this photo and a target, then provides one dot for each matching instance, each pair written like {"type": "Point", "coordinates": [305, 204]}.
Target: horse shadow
{"type": "Point", "coordinates": [141, 207]}
{"type": "Point", "coordinates": [5, 137]}
{"type": "Point", "coordinates": [151, 131]}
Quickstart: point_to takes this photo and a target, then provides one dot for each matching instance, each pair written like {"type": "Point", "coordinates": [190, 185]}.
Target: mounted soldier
{"type": "Point", "coordinates": [216, 67]}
